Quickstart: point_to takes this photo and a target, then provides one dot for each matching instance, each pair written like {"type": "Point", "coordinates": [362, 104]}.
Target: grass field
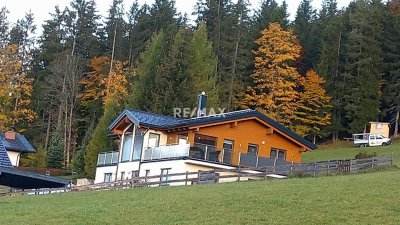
{"type": "Point", "coordinates": [354, 199]}
{"type": "Point", "coordinates": [345, 150]}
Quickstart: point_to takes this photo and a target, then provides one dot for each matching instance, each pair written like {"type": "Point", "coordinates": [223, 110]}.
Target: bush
{"type": "Point", "coordinates": [365, 155]}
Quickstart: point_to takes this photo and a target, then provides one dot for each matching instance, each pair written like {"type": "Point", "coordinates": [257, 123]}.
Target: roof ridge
{"type": "Point", "coordinates": [151, 113]}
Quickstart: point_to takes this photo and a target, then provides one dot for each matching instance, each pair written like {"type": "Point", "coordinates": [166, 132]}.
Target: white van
{"type": "Point", "coordinates": [365, 139]}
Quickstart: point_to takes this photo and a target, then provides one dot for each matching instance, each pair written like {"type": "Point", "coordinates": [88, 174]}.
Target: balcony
{"type": "Point", "coordinates": [167, 151]}
{"type": "Point", "coordinates": [198, 151]}
{"type": "Point", "coordinates": [108, 158]}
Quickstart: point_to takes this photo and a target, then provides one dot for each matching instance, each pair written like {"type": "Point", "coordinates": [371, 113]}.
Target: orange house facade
{"type": "Point", "coordinates": [153, 144]}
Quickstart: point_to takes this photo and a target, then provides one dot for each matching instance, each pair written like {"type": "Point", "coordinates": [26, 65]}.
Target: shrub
{"type": "Point", "coordinates": [365, 155]}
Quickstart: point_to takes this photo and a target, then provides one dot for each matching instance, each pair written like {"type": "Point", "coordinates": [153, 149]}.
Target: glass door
{"type": "Point", "coordinates": [227, 151]}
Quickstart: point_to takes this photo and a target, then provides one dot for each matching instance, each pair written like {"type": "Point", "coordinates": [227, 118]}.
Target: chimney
{"type": "Point", "coordinates": [202, 104]}
{"type": "Point", "coordinates": [10, 135]}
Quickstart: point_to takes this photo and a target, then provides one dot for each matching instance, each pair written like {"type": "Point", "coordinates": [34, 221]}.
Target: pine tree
{"type": "Point", "coordinates": [313, 112]}
{"type": "Point", "coordinates": [55, 155]}
{"type": "Point", "coordinates": [116, 28]}
{"type": "Point", "coordinates": [275, 79]}
{"type": "Point", "coordinates": [143, 94]}
{"type": "Point", "coordinates": [391, 59]}
{"type": "Point", "coordinates": [202, 63]}
{"type": "Point", "coordinates": [364, 69]}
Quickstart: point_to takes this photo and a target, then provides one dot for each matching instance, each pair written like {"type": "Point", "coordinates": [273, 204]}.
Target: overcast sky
{"type": "Point", "coordinates": [42, 8]}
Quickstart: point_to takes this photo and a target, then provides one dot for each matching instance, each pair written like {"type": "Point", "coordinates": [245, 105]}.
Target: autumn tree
{"type": "Point", "coordinates": [313, 112]}
{"type": "Point", "coordinates": [275, 79]}
{"type": "Point", "coordinates": [15, 91]}
{"type": "Point", "coordinates": [116, 93]}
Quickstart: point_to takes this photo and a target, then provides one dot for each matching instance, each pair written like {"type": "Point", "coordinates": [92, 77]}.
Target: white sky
{"type": "Point", "coordinates": [42, 8]}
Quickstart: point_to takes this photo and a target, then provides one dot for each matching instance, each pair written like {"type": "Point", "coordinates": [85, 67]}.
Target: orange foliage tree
{"type": "Point", "coordinates": [275, 78]}
{"type": "Point", "coordinates": [314, 104]}
{"type": "Point", "coordinates": [15, 91]}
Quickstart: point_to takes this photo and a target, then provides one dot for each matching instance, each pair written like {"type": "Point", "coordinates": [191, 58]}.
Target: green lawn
{"type": "Point", "coordinates": [354, 199]}
{"type": "Point", "coordinates": [345, 150]}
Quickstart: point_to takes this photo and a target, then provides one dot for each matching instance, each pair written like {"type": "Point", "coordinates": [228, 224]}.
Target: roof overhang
{"type": "Point", "coordinates": [27, 180]}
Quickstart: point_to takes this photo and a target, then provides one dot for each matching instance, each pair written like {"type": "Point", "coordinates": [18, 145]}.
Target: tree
{"type": "Point", "coordinates": [391, 60]}
{"type": "Point", "coordinates": [55, 155]}
{"type": "Point", "coordinates": [313, 112]}
{"type": "Point", "coordinates": [275, 79]}
{"type": "Point", "coordinates": [15, 91]}
{"type": "Point", "coordinates": [116, 93]}
{"type": "Point", "coordinates": [143, 95]}
{"type": "Point", "coordinates": [364, 67]}
{"type": "Point", "coordinates": [202, 63]}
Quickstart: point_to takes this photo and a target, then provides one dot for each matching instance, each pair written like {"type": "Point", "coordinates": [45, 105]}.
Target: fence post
{"type": "Point", "coordinates": [161, 176]}
{"type": "Point", "coordinates": [186, 177]}
{"type": "Point", "coordinates": [238, 175]}
{"type": "Point", "coordinates": [315, 169]}
{"type": "Point", "coordinates": [351, 163]}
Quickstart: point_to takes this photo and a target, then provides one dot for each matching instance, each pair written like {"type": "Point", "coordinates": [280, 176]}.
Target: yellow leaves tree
{"type": "Point", "coordinates": [15, 91]}
{"type": "Point", "coordinates": [94, 83]}
{"type": "Point", "coordinates": [314, 104]}
{"type": "Point", "coordinates": [275, 78]}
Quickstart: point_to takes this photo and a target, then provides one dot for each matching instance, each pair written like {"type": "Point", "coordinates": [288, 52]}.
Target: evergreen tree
{"type": "Point", "coordinates": [115, 30]}
{"type": "Point", "coordinates": [4, 27]}
{"type": "Point", "coordinates": [55, 155]}
{"type": "Point", "coordinates": [143, 94]}
{"type": "Point", "coordinates": [392, 63]}
{"type": "Point", "coordinates": [202, 63]}
{"type": "Point", "coordinates": [306, 28]}
{"type": "Point", "coordinates": [364, 67]}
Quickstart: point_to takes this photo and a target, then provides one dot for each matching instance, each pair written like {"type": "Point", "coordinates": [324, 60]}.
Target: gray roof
{"type": "Point", "coordinates": [20, 144]}
{"type": "Point", "coordinates": [4, 160]}
{"type": "Point", "coordinates": [157, 121]}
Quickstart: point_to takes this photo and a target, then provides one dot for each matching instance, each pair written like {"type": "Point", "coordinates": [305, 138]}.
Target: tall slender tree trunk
{"type": "Point", "coordinates": [46, 142]}
{"type": "Point", "coordinates": [113, 48]}
{"type": "Point", "coordinates": [396, 124]}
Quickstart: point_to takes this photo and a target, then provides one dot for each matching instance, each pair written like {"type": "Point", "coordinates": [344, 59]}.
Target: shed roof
{"type": "Point", "coordinates": [20, 144]}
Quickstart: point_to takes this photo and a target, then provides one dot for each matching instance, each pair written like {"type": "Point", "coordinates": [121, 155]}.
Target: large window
{"type": "Point", "coordinates": [107, 177]}
{"type": "Point", "coordinates": [127, 147]}
{"type": "Point", "coordinates": [138, 145]}
{"type": "Point", "coordinates": [154, 140]}
{"type": "Point", "coordinates": [278, 153]}
{"type": "Point", "coordinates": [205, 140]}
{"type": "Point", "coordinates": [252, 149]}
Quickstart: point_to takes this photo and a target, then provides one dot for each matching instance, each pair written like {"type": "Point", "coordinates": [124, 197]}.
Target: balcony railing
{"type": "Point", "coordinates": [198, 151]}
{"type": "Point", "coordinates": [107, 158]}
{"type": "Point", "coordinates": [165, 152]}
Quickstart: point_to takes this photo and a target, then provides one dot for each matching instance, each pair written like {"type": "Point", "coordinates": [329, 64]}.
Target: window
{"type": "Point", "coordinates": [165, 174]}
{"type": "Point", "coordinates": [278, 153]}
{"type": "Point", "coordinates": [182, 139]}
{"type": "Point", "coordinates": [228, 144]}
{"type": "Point", "coordinates": [138, 145]}
{"type": "Point", "coordinates": [127, 147]}
{"type": "Point", "coordinates": [135, 173]}
{"type": "Point", "coordinates": [107, 177]}
{"type": "Point", "coordinates": [123, 175]}
{"type": "Point", "coordinates": [252, 149]}
{"type": "Point", "coordinates": [154, 140]}
{"type": "Point", "coordinates": [205, 140]}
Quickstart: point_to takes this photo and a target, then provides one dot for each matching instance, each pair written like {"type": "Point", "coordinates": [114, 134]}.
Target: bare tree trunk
{"type": "Point", "coordinates": [239, 34]}
{"type": "Point", "coordinates": [46, 142]}
{"type": "Point", "coordinates": [396, 124]}
{"type": "Point", "coordinates": [113, 48]}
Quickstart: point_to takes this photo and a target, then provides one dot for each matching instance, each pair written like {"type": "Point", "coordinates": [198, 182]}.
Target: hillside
{"type": "Point", "coordinates": [354, 199]}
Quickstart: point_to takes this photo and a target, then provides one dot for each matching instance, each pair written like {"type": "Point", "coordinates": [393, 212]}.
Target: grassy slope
{"type": "Point", "coordinates": [345, 150]}
{"type": "Point", "coordinates": [354, 199]}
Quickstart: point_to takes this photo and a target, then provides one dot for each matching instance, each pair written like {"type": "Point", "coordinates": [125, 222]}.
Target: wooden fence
{"type": "Point", "coordinates": [223, 175]}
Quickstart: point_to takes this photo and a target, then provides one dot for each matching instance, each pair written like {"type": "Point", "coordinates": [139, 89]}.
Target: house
{"type": "Point", "coordinates": [15, 178]}
{"type": "Point", "coordinates": [152, 144]}
{"type": "Point", "coordinates": [15, 144]}
{"type": "Point", "coordinates": [379, 128]}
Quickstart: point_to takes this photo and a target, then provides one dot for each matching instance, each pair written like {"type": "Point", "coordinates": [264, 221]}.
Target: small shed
{"type": "Point", "coordinates": [381, 128]}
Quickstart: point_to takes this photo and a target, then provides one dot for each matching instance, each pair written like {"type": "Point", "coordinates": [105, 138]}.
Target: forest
{"type": "Point", "coordinates": [325, 75]}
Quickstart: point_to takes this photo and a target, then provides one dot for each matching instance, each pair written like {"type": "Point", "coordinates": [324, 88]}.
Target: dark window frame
{"type": "Point", "coordinates": [252, 145]}
{"type": "Point", "coordinates": [165, 177]}
{"type": "Point", "coordinates": [107, 175]}
{"type": "Point", "coordinates": [278, 150]}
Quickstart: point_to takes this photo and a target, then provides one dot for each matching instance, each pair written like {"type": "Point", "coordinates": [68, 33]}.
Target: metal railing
{"type": "Point", "coordinates": [211, 153]}
{"type": "Point", "coordinates": [167, 151]}
{"type": "Point", "coordinates": [107, 158]}
{"type": "Point", "coordinates": [252, 160]}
